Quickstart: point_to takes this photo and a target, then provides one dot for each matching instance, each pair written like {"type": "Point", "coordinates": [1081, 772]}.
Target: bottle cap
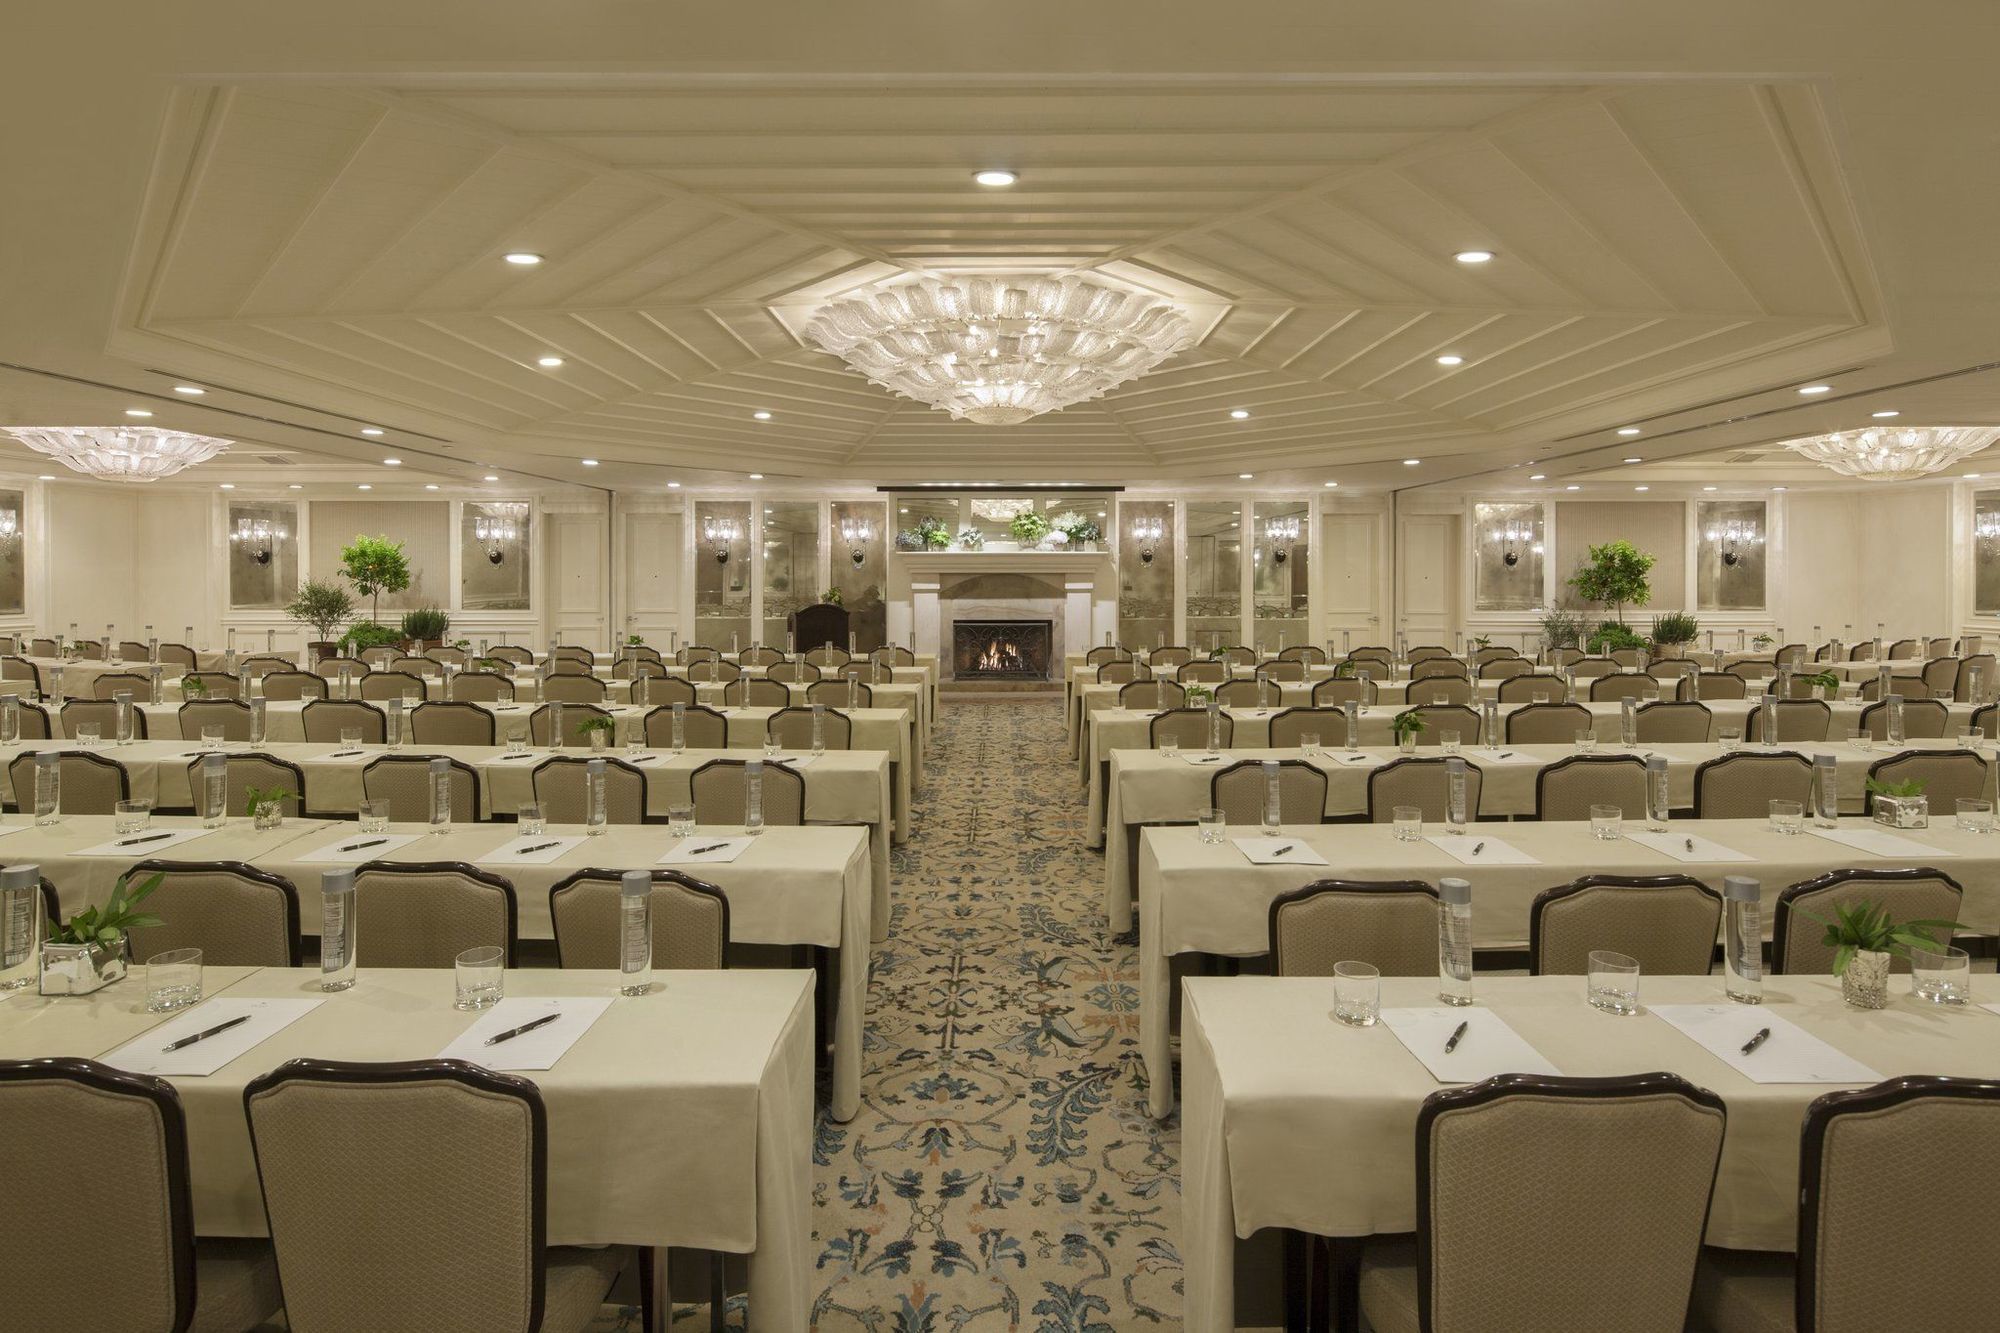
{"type": "Point", "coordinates": [46, 759]}
{"type": "Point", "coordinates": [25, 875]}
{"type": "Point", "coordinates": [122, 697]}
{"type": "Point", "coordinates": [213, 764]}
{"type": "Point", "coordinates": [1823, 761]}
{"type": "Point", "coordinates": [595, 767]}
{"type": "Point", "coordinates": [1656, 763]}
{"type": "Point", "coordinates": [1270, 768]}
{"type": "Point", "coordinates": [635, 884]}
{"type": "Point", "coordinates": [754, 768]}
{"type": "Point", "coordinates": [1741, 889]}
{"type": "Point", "coordinates": [442, 765]}
{"type": "Point", "coordinates": [1454, 765]}
{"type": "Point", "coordinates": [1455, 892]}
{"type": "Point", "coordinates": [336, 881]}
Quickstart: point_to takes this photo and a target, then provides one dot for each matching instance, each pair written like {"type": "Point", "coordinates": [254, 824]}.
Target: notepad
{"type": "Point", "coordinates": [1262, 851]}
{"type": "Point", "coordinates": [1687, 846]}
{"type": "Point", "coordinates": [1199, 758]}
{"type": "Point", "coordinates": [1477, 849]}
{"type": "Point", "coordinates": [1789, 1055]}
{"type": "Point", "coordinates": [705, 851]}
{"type": "Point", "coordinates": [149, 843]}
{"type": "Point", "coordinates": [514, 852]}
{"type": "Point", "coordinates": [1489, 1047]}
{"type": "Point", "coordinates": [539, 1049]}
{"type": "Point", "coordinates": [1878, 843]}
{"type": "Point", "coordinates": [267, 1018]}
{"type": "Point", "coordinates": [359, 847]}
{"type": "Point", "coordinates": [5, 829]}
{"type": "Point", "coordinates": [794, 760]}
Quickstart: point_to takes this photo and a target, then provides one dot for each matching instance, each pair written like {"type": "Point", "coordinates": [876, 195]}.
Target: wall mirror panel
{"type": "Point", "coordinates": [861, 527]}
{"type": "Point", "coordinates": [1146, 573]}
{"type": "Point", "coordinates": [1281, 574]}
{"type": "Point", "coordinates": [791, 564]}
{"type": "Point", "coordinates": [1214, 574]}
{"type": "Point", "coordinates": [1986, 552]}
{"type": "Point", "coordinates": [1729, 555]}
{"type": "Point", "coordinates": [13, 546]}
{"type": "Point", "coordinates": [1507, 556]}
{"type": "Point", "coordinates": [263, 555]}
{"type": "Point", "coordinates": [722, 573]}
{"type": "Point", "coordinates": [918, 512]}
{"type": "Point", "coordinates": [493, 542]}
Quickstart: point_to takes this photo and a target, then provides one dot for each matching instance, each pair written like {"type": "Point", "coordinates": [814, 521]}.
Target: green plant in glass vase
{"type": "Point", "coordinates": [1407, 727]}
{"type": "Point", "coordinates": [1028, 527]}
{"type": "Point", "coordinates": [597, 730]}
{"type": "Point", "coordinates": [1864, 939]}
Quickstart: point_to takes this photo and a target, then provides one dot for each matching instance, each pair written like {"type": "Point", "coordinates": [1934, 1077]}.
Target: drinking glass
{"type": "Point", "coordinates": [1860, 740]}
{"type": "Point", "coordinates": [1975, 816]}
{"type": "Point", "coordinates": [1309, 742]}
{"type": "Point", "coordinates": [1612, 983]}
{"type": "Point", "coordinates": [1942, 696]}
{"type": "Point", "coordinates": [1788, 817]}
{"type": "Point", "coordinates": [771, 748]}
{"type": "Point", "coordinates": [350, 738]}
{"type": "Point", "coordinates": [1605, 822]}
{"type": "Point", "coordinates": [1409, 823]}
{"type": "Point", "coordinates": [173, 980]}
{"type": "Point", "coordinates": [1448, 742]}
{"type": "Point", "coordinates": [1209, 824]}
{"type": "Point", "coordinates": [1969, 737]}
{"type": "Point", "coordinates": [1540, 697]}
{"type": "Point", "coordinates": [89, 734]}
{"type": "Point", "coordinates": [1357, 994]}
{"type": "Point", "coordinates": [517, 741]}
{"type": "Point", "coordinates": [1586, 741]}
{"type": "Point", "coordinates": [529, 822]}
{"type": "Point", "coordinates": [410, 700]}
{"type": "Point", "coordinates": [375, 816]}
{"type": "Point", "coordinates": [1728, 738]}
{"type": "Point", "coordinates": [215, 738]}
{"type": "Point", "coordinates": [680, 821]}
{"type": "Point", "coordinates": [635, 748]}
{"type": "Point", "coordinates": [132, 816]}
{"type": "Point", "coordinates": [1942, 976]}
{"type": "Point", "coordinates": [479, 973]}
{"type": "Point", "coordinates": [1170, 744]}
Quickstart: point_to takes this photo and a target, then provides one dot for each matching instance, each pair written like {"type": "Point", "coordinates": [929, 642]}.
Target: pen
{"type": "Point", "coordinates": [512, 1033]}
{"type": "Point", "coordinates": [1451, 1043]}
{"type": "Point", "coordinates": [1690, 843]}
{"type": "Point", "coordinates": [1282, 850]}
{"type": "Point", "coordinates": [538, 847]}
{"type": "Point", "coordinates": [1478, 847]}
{"type": "Point", "coordinates": [712, 847]}
{"type": "Point", "coordinates": [150, 837]}
{"type": "Point", "coordinates": [206, 1033]}
{"type": "Point", "coordinates": [1756, 1041]}
{"type": "Point", "coordinates": [343, 754]}
{"type": "Point", "coordinates": [357, 846]}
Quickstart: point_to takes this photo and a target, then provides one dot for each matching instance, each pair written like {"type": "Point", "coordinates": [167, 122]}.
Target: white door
{"type": "Point", "coordinates": [649, 574]}
{"type": "Point", "coordinates": [578, 580]}
{"type": "Point", "coordinates": [1426, 592]}
{"type": "Point", "coordinates": [1351, 561]}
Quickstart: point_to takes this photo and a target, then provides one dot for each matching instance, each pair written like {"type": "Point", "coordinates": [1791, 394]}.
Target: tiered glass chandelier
{"type": "Point", "coordinates": [1894, 453]}
{"type": "Point", "coordinates": [120, 453]}
{"type": "Point", "coordinates": [1003, 349]}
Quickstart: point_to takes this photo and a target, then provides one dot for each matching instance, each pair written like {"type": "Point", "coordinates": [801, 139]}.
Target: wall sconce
{"type": "Point", "coordinates": [253, 537]}
{"type": "Point", "coordinates": [719, 533]}
{"type": "Point", "coordinates": [1512, 537]}
{"type": "Point", "coordinates": [856, 532]}
{"type": "Point", "coordinates": [1148, 532]}
{"type": "Point", "coordinates": [1281, 533]}
{"type": "Point", "coordinates": [1985, 528]}
{"type": "Point", "coordinates": [491, 533]}
{"type": "Point", "coordinates": [1731, 536]}
{"type": "Point", "coordinates": [10, 527]}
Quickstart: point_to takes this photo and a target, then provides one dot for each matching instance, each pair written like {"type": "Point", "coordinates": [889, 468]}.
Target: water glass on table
{"type": "Point", "coordinates": [1975, 816]}
{"type": "Point", "coordinates": [1728, 738]}
{"type": "Point", "coordinates": [1941, 976]}
{"type": "Point", "coordinates": [1860, 740]}
{"type": "Point", "coordinates": [1606, 822]}
{"type": "Point", "coordinates": [529, 822]}
{"type": "Point", "coordinates": [1309, 742]}
{"type": "Point", "coordinates": [350, 738]}
{"type": "Point", "coordinates": [173, 980]}
{"type": "Point", "coordinates": [1788, 817]}
{"type": "Point", "coordinates": [680, 821]}
{"type": "Point", "coordinates": [89, 734]}
{"type": "Point", "coordinates": [1448, 742]}
{"type": "Point", "coordinates": [517, 741]}
{"type": "Point", "coordinates": [1409, 823]}
{"type": "Point", "coordinates": [131, 817]}
{"type": "Point", "coordinates": [1170, 744]}
{"type": "Point", "coordinates": [1612, 982]}
{"type": "Point", "coordinates": [1969, 737]}
{"type": "Point", "coordinates": [1209, 824]}
{"type": "Point", "coordinates": [1586, 741]}
{"type": "Point", "coordinates": [1357, 994]}
{"type": "Point", "coordinates": [479, 973]}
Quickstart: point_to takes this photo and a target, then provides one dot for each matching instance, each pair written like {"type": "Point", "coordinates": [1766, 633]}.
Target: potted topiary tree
{"type": "Point", "coordinates": [324, 605]}
{"type": "Point", "coordinates": [1614, 575]}
{"type": "Point", "coordinates": [375, 565]}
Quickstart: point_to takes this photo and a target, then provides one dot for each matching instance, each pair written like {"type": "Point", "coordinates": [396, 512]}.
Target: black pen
{"type": "Point", "coordinates": [1451, 1043]}
{"type": "Point", "coordinates": [150, 837]}
{"type": "Point", "coordinates": [206, 1033]}
{"type": "Point", "coordinates": [1280, 851]}
{"type": "Point", "coordinates": [1756, 1041]}
{"type": "Point", "coordinates": [344, 754]}
{"type": "Point", "coordinates": [712, 847]}
{"type": "Point", "coordinates": [357, 846]}
{"type": "Point", "coordinates": [512, 1033]}
{"type": "Point", "coordinates": [1690, 843]}
{"type": "Point", "coordinates": [538, 847]}
{"type": "Point", "coordinates": [1478, 847]}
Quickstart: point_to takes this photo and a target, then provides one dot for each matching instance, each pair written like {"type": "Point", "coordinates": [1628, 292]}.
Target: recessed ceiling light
{"type": "Point", "coordinates": [430, 485]}
{"type": "Point", "coordinates": [191, 390]}
{"type": "Point", "coordinates": [364, 486]}
{"type": "Point", "coordinates": [1972, 476]}
{"type": "Point", "coordinates": [1448, 359]}
{"type": "Point", "coordinates": [491, 477]}
{"type": "Point", "coordinates": [589, 462]}
{"type": "Point", "coordinates": [548, 362]}
{"type": "Point", "coordinates": [1244, 476]}
{"type": "Point", "coordinates": [46, 477]}
{"type": "Point", "coordinates": [1239, 414]}
{"type": "Point", "coordinates": [1538, 476]}
{"type": "Point", "coordinates": [995, 176]}
{"type": "Point", "coordinates": [1883, 416]}
{"type": "Point", "coordinates": [1642, 488]}
{"type": "Point", "coordinates": [1474, 256]}
{"type": "Point", "coordinates": [522, 258]}
{"type": "Point", "coordinates": [227, 486]}
{"type": "Point", "coordinates": [1635, 459]}
{"type": "Point", "coordinates": [137, 412]}
{"type": "Point", "coordinates": [1572, 488]}
{"type": "Point", "coordinates": [371, 430]}
{"type": "Point", "coordinates": [761, 415]}
{"type": "Point", "coordinates": [673, 485]}
{"type": "Point", "coordinates": [756, 476]}
{"type": "Point", "coordinates": [1778, 488]}
{"type": "Point", "coordinates": [296, 486]}
{"type": "Point", "coordinates": [1708, 488]}
{"type": "Point", "coordinates": [1411, 462]}
{"type": "Point", "coordinates": [1628, 430]}
{"type": "Point", "coordinates": [1817, 388]}
{"type": "Point", "coordinates": [1333, 483]}
{"type": "Point", "coordinates": [392, 462]}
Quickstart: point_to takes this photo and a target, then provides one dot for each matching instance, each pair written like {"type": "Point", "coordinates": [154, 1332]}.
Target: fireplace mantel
{"type": "Point", "coordinates": [1048, 563]}
{"type": "Point", "coordinates": [1083, 592]}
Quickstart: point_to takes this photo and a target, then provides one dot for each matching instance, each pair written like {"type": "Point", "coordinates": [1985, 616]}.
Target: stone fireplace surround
{"type": "Point", "coordinates": [1073, 591]}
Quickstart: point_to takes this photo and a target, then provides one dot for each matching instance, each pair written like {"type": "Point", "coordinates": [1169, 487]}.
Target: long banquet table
{"type": "Point", "coordinates": [681, 1118]}
{"type": "Point", "coordinates": [1294, 1120]}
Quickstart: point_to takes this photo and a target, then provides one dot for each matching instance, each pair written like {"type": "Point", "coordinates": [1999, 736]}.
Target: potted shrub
{"type": "Point", "coordinates": [1028, 528]}
{"type": "Point", "coordinates": [324, 605]}
{"type": "Point", "coordinates": [1611, 635]}
{"type": "Point", "coordinates": [1562, 627]}
{"type": "Point", "coordinates": [1673, 632]}
{"type": "Point", "coordinates": [598, 730]}
{"type": "Point", "coordinates": [1407, 726]}
{"type": "Point", "coordinates": [1614, 575]}
{"type": "Point", "coordinates": [94, 948]}
{"type": "Point", "coordinates": [266, 808]}
{"type": "Point", "coordinates": [375, 565]}
{"type": "Point", "coordinates": [1864, 939]}
{"type": "Point", "coordinates": [425, 627]}
{"type": "Point", "coordinates": [365, 635]}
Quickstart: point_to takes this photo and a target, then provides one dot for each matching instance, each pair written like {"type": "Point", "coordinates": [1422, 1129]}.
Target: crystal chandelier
{"type": "Point", "coordinates": [1001, 350]}
{"type": "Point", "coordinates": [120, 453]}
{"type": "Point", "coordinates": [1894, 453]}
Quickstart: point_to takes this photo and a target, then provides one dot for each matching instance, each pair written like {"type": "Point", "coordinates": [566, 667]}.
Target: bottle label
{"type": "Point", "coordinates": [333, 935]}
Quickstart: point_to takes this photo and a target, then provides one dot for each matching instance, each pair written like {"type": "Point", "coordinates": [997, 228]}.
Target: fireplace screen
{"type": "Point", "coordinates": [1000, 649]}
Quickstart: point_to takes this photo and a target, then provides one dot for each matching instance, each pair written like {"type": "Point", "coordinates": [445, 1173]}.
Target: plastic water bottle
{"type": "Point", "coordinates": [214, 791]}
{"type": "Point", "coordinates": [1489, 723]}
{"type": "Point", "coordinates": [1628, 721]}
{"type": "Point", "coordinates": [152, 648]}
{"type": "Point", "coordinates": [1767, 720]}
{"type": "Point", "coordinates": [679, 739]}
{"type": "Point", "coordinates": [337, 922]}
{"type": "Point", "coordinates": [1656, 793]}
{"type": "Point", "coordinates": [1825, 792]}
{"type": "Point", "coordinates": [440, 795]}
{"type": "Point", "coordinates": [1367, 688]}
{"type": "Point", "coordinates": [10, 719]}
{"type": "Point", "coordinates": [753, 797]}
{"type": "Point", "coordinates": [555, 724]}
{"type": "Point", "coordinates": [635, 932]}
{"type": "Point", "coordinates": [819, 729]}
{"type": "Point", "coordinates": [1263, 689]}
{"type": "Point", "coordinates": [1273, 810]}
{"type": "Point", "coordinates": [1894, 731]}
{"type": "Point", "coordinates": [123, 699]}
{"type": "Point", "coordinates": [853, 687]}
{"type": "Point", "coordinates": [1214, 725]}
{"type": "Point", "coordinates": [642, 689]}
{"type": "Point", "coordinates": [1743, 943]}
{"type": "Point", "coordinates": [187, 636]}
{"type": "Point", "coordinates": [48, 789]}
{"type": "Point", "coordinates": [346, 681]}
{"type": "Point", "coordinates": [1454, 941]}
{"type": "Point", "coordinates": [393, 729]}
{"type": "Point", "coordinates": [595, 816]}
{"type": "Point", "coordinates": [1569, 684]}
{"type": "Point", "coordinates": [1351, 713]}
{"type": "Point", "coordinates": [1456, 816]}
{"type": "Point", "coordinates": [56, 686]}
{"type": "Point", "coordinates": [20, 924]}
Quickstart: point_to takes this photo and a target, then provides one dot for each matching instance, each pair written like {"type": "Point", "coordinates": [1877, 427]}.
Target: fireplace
{"type": "Point", "coordinates": [1000, 650]}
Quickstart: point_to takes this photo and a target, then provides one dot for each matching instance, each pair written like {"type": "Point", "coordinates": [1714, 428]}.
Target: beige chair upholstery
{"type": "Point", "coordinates": [1622, 685]}
{"type": "Point", "coordinates": [1285, 669]}
{"type": "Point", "coordinates": [1673, 668]}
{"type": "Point", "coordinates": [379, 685]}
{"type": "Point", "coordinates": [1523, 689]}
{"type": "Point", "coordinates": [573, 717]}
{"type": "Point", "coordinates": [404, 781]}
{"type": "Point", "coordinates": [103, 714]}
{"type": "Point", "coordinates": [236, 914]}
{"type": "Point", "coordinates": [712, 671]}
{"type": "Point", "coordinates": [1492, 653]}
{"type": "Point", "coordinates": [1376, 658]}
{"type": "Point", "coordinates": [1191, 726]}
{"type": "Point", "coordinates": [1425, 652]}
{"type": "Point", "coordinates": [662, 691]}
{"type": "Point", "coordinates": [1667, 922]}
{"type": "Point", "coordinates": [1506, 668]}
{"type": "Point", "coordinates": [1675, 724]}
{"type": "Point", "coordinates": [1434, 668]}
{"type": "Point", "coordinates": [573, 689]}
{"type": "Point", "coordinates": [327, 668]}
{"type": "Point", "coordinates": [1590, 668]}
{"type": "Point", "coordinates": [378, 659]}
{"type": "Point", "coordinates": [1717, 685]}
{"type": "Point", "coordinates": [760, 655]}
{"type": "Point", "coordinates": [1303, 652]}
{"type": "Point", "coordinates": [1535, 1212]}
{"type": "Point", "coordinates": [757, 692]}
{"type": "Point", "coordinates": [1205, 672]}
{"type": "Point", "coordinates": [1948, 777]}
{"type": "Point", "coordinates": [198, 715]}
{"type": "Point", "coordinates": [572, 652]}
{"type": "Point", "coordinates": [131, 1204]}
{"type": "Point", "coordinates": [1568, 788]}
{"type": "Point", "coordinates": [894, 656]}
{"type": "Point", "coordinates": [1910, 687]}
{"type": "Point", "coordinates": [1169, 655]}
{"type": "Point", "coordinates": [829, 658]}
{"type": "Point", "coordinates": [370, 1219]}
{"type": "Point", "coordinates": [696, 652]}
{"type": "Point", "coordinates": [1547, 724]}
{"type": "Point", "coordinates": [451, 724]}
{"type": "Point", "coordinates": [289, 685]}
{"type": "Point", "coordinates": [569, 666]}
{"type": "Point", "coordinates": [1799, 720]}
{"type": "Point", "coordinates": [1151, 695]}
{"type": "Point", "coordinates": [1103, 653]}
{"type": "Point", "coordinates": [1424, 783]}
{"type": "Point", "coordinates": [835, 694]}
{"type": "Point", "coordinates": [1250, 694]}
{"type": "Point", "coordinates": [512, 653]}
{"type": "Point", "coordinates": [792, 728]}
{"type": "Point", "coordinates": [427, 667]}
{"type": "Point", "coordinates": [1238, 791]}
{"type": "Point", "coordinates": [1562, 657]}
{"type": "Point", "coordinates": [325, 719]}
{"type": "Point", "coordinates": [1941, 673]}
{"type": "Point", "coordinates": [625, 668]}
{"type": "Point", "coordinates": [1442, 691]}
{"type": "Point", "coordinates": [445, 652]}
{"type": "Point", "coordinates": [720, 789]}
{"type": "Point", "coordinates": [213, 685]}
{"type": "Point", "coordinates": [1630, 659]}
{"type": "Point", "coordinates": [1337, 690]}
{"type": "Point", "coordinates": [1742, 786]}
{"type": "Point", "coordinates": [1329, 724]}
{"type": "Point", "coordinates": [804, 673]}
{"type": "Point", "coordinates": [701, 728]}
{"type": "Point", "coordinates": [1923, 719]}
{"type": "Point", "coordinates": [425, 914]}
{"type": "Point", "coordinates": [91, 784]}
{"type": "Point", "coordinates": [690, 921]}
{"type": "Point", "coordinates": [1389, 924]}
{"type": "Point", "coordinates": [111, 682]}
{"type": "Point", "coordinates": [1238, 654]}
{"type": "Point", "coordinates": [50, 648]}
{"type": "Point", "coordinates": [1440, 718]}
{"type": "Point", "coordinates": [560, 789]}
{"type": "Point", "coordinates": [1910, 895]}
{"type": "Point", "coordinates": [1752, 670]}
{"type": "Point", "coordinates": [34, 720]}
{"type": "Point", "coordinates": [266, 773]}
{"type": "Point", "coordinates": [1117, 673]}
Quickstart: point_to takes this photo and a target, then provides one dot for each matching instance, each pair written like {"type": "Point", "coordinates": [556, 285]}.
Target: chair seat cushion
{"type": "Point", "coordinates": [1742, 1291]}
{"type": "Point", "coordinates": [578, 1280]}
{"type": "Point", "coordinates": [235, 1285]}
{"type": "Point", "coordinates": [1389, 1286]}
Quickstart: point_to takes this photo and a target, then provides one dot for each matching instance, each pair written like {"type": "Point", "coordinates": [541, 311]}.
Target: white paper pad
{"type": "Point", "coordinates": [268, 1017]}
{"type": "Point", "coordinates": [379, 844]}
{"type": "Point", "coordinates": [1488, 1047]}
{"type": "Point", "coordinates": [539, 1049]}
{"type": "Point", "coordinates": [153, 845]}
{"type": "Point", "coordinates": [508, 853]}
{"type": "Point", "coordinates": [1687, 846]}
{"type": "Point", "coordinates": [5, 829]}
{"type": "Point", "coordinates": [1879, 843]}
{"type": "Point", "coordinates": [1197, 757]}
{"type": "Point", "coordinates": [1262, 851]}
{"type": "Point", "coordinates": [1490, 851]}
{"type": "Point", "coordinates": [794, 760]}
{"type": "Point", "coordinates": [347, 756]}
{"type": "Point", "coordinates": [1251, 712]}
{"type": "Point", "coordinates": [726, 850]}
{"type": "Point", "coordinates": [1789, 1055]}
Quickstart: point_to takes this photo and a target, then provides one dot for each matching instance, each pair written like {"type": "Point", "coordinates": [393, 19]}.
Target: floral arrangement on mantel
{"type": "Point", "coordinates": [1076, 529]}
{"type": "Point", "coordinates": [1028, 527]}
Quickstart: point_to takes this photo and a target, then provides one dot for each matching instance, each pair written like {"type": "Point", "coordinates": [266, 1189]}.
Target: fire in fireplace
{"type": "Point", "coordinates": [1000, 649]}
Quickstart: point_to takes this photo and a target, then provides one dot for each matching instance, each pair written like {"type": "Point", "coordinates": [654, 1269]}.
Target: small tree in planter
{"type": "Point", "coordinates": [1615, 575]}
{"type": "Point", "coordinates": [375, 565]}
{"type": "Point", "coordinates": [324, 605]}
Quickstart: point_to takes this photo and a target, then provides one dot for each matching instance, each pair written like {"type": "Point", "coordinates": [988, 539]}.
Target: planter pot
{"type": "Point", "coordinates": [1407, 744]}
{"type": "Point", "coordinates": [269, 815]}
{"type": "Point", "coordinates": [1865, 983]}
{"type": "Point", "coordinates": [1903, 811]}
{"type": "Point", "coordinates": [80, 969]}
{"type": "Point", "coordinates": [600, 741]}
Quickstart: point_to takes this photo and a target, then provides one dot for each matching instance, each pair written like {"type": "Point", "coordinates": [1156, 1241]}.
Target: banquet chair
{"type": "Point", "coordinates": [197, 715]}
{"type": "Point", "coordinates": [1285, 669]}
{"type": "Point", "coordinates": [111, 682]}
{"type": "Point", "coordinates": [713, 671]}
{"type": "Point", "coordinates": [1505, 668]}
{"type": "Point", "coordinates": [244, 772]}
{"type": "Point", "coordinates": [1389, 924]}
{"type": "Point", "coordinates": [805, 673]}
{"type": "Point", "coordinates": [1864, 651]}
{"type": "Point", "coordinates": [1337, 690]}
{"type": "Point", "coordinates": [1250, 694]}
{"type": "Point", "coordinates": [757, 692]}
{"type": "Point", "coordinates": [1104, 653]}
{"type": "Point", "coordinates": [134, 1202]}
{"type": "Point", "coordinates": [701, 728]}
{"type": "Point", "coordinates": [1629, 659]}
{"type": "Point", "coordinates": [560, 783]}
{"type": "Point", "coordinates": [1939, 647]}
{"type": "Point", "coordinates": [263, 664]}
{"type": "Point", "coordinates": [1948, 777]}
{"type": "Point", "coordinates": [1329, 724]}
{"type": "Point", "coordinates": [1791, 654]}
{"type": "Point", "coordinates": [19, 668]}
{"type": "Point", "coordinates": [1668, 922]}
{"type": "Point", "coordinates": [451, 724]}
{"type": "Point", "coordinates": [1718, 685]}
{"type": "Point", "coordinates": [1754, 670]}
{"type": "Point", "coordinates": [1155, 694]}
{"type": "Point", "coordinates": [1239, 654]}
{"type": "Point", "coordinates": [1590, 668]}
{"type": "Point", "coordinates": [836, 694]}
{"type": "Point", "coordinates": [573, 652]}
{"type": "Point", "coordinates": [1239, 790]}
{"type": "Point", "coordinates": [1440, 718]}
{"type": "Point", "coordinates": [1206, 671]}
{"type": "Point", "coordinates": [625, 668]}
{"type": "Point", "coordinates": [511, 653]}
{"type": "Point", "coordinates": [894, 656]}
{"type": "Point", "coordinates": [1944, 1260]}
{"type": "Point", "coordinates": [379, 685]}
{"type": "Point", "coordinates": [695, 652]}
{"type": "Point", "coordinates": [1983, 663]}
{"type": "Point", "coordinates": [1923, 719]}
{"type": "Point", "coordinates": [1547, 724]}
{"type": "Point", "coordinates": [103, 714]}
{"type": "Point", "coordinates": [1169, 655]}
{"type": "Point", "coordinates": [1911, 893]}
{"type": "Point", "coordinates": [1984, 720]}
{"type": "Point", "coordinates": [760, 655]}
{"type": "Point", "coordinates": [34, 720]}
{"type": "Point", "coordinates": [1799, 720]}
{"type": "Point", "coordinates": [1941, 673]}
{"type": "Point", "coordinates": [720, 790]}
{"type": "Point", "coordinates": [573, 715]}
{"type": "Point", "coordinates": [792, 728]}
{"type": "Point", "coordinates": [1119, 672]}
{"type": "Point", "coordinates": [328, 668]}
{"type": "Point", "coordinates": [1562, 657]}
{"type": "Point", "coordinates": [378, 658]}
{"type": "Point", "coordinates": [1902, 650]}
{"type": "Point", "coordinates": [690, 920]}
{"type": "Point", "coordinates": [573, 689]}
{"type": "Point", "coordinates": [1674, 667]}
{"type": "Point", "coordinates": [325, 719]}
{"type": "Point", "coordinates": [1910, 687]}
{"type": "Point", "coordinates": [1675, 724]}
{"type": "Point", "coordinates": [404, 781]}
{"type": "Point", "coordinates": [1425, 652]}
{"type": "Point", "coordinates": [1742, 786]}
{"type": "Point", "coordinates": [1424, 783]}
{"type": "Point", "coordinates": [91, 784]}
{"type": "Point", "coordinates": [129, 649]}
{"type": "Point", "coordinates": [829, 658]}
{"type": "Point", "coordinates": [481, 687]}
{"type": "Point", "coordinates": [236, 914]}
{"type": "Point", "coordinates": [214, 684]}
{"type": "Point", "coordinates": [1303, 652]}
{"type": "Point", "coordinates": [1798, 688]}
{"type": "Point", "coordinates": [569, 666]}
{"type": "Point", "coordinates": [1190, 725]}
{"type": "Point", "coordinates": [368, 1216]}
{"type": "Point", "coordinates": [1382, 658]}
{"type": "Point", "coordinates": [427, 667]}
{"type": "Point", "coordinates": [445, 652]}
{"type": "Point", "coordinates": [1568, 788]}
{"type": "Point", "coordinates": [1492, 652]}
{"type": "Point", "coordinates": [667, 690]}
{"type": "Point", "coordinates": [1436, 666]}
{"type": "Point", "coordinates": [1622, 685]}
{"type": "Point", "coordinates": [1441, 691]}
{"type": "Point", "coordinates": [290, 686]}
{"type": "Point", "coordinates": [1522, 689]}
{"type": "Point", "coordinates": [50, 648]}
{"type": "Point", "coordinates": [427, 913]}
{"type": "Point", "coordinates": [1505, 1243]}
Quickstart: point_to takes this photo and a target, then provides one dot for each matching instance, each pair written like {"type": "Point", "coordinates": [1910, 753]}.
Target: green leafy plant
{"type": "Point", "coordinates": [1762, 641]}
{"type": "Point", "coordinates": [367, 634]}
{"type": "Point", "coordinates": [634, 640]}
{"type": "Point", "coordinates": [971, 539]}
{"type": "Point", "coordinates": [324, 605]}
{"type": "Point", "coordinates": [1028, 527]}
{"type": "Point", "coordinates": [1563, 626]}
{"type": "Point", "coordinates": [375, 565]}
{"type": "Point", "coordinates": [464, 644]}
{"type": "Point", "coordinates": [1407, 725]}
{"type": "Point", "coordinates": [1612, 635]}
{"type": "Point", "coordinates": [1824, 679]}
{"type": "Point", "coordinates": [105, 926]}
{"type": "Point", "coordinates": [1675, 628]}
{"type": "Point", "coordinates": [1076, 527]}
{"type": "Point", "coordinates": [1481, 641]}
{"type": "Point", "coordinates": [193, 687]}
{"type": "Point", "coordinates": [491, 664]}
{"type": "Point", "coordinates": [832, 597]}
{"type": "Point", "coordinates": [253, 797]}
{"type": "Point", "coordinates": [1614, 576]}
{"type": "Point", "coordinates": [932, 533]}
{"type": "Point", "coordinates": [1197, 696]}
{"type": "Point", "coordinates": [427, 624]}
{"type": "Point", "coordinates": [1864, 927]}
{"type": "Point", "coordinates": [1903, 790]}
{"type": "Point", "coordinates": [591, 724]}
{"type": "Point", "coordinates": [1345, 669]}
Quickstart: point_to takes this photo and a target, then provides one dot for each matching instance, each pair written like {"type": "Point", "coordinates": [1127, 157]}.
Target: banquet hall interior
{"type": "Point", "coordinates": [887, 669]}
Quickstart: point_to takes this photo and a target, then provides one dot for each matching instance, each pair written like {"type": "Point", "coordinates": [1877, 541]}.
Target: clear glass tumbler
{"type": "Point", "coordinates": [132, 816]}
{"type": "Point", "coordinates": [1788, 817]}
{"type": "Point", "coordinates": [680, 821]}
{"type": "Point", "coordinates": [529, 822]}
{"type": "Point", "coordinates": [215, 738]}
{"type": "Point", "coordinates": [173, 980]}
{"type": "Point", "coordinates": [1612, 983]}
{"type": "Point", "coordinates": [374, 816]}
{"type": "Point", "coordinates": [88, 734]}
{"type": "Point", "coordinates": [1448, 742]}
{"type": "Point", "coordinates": [1586, 741]}
{"type": "Point", "coordinates": [1309, 742]}
{"type": "Point", "coordinates": [1170, 744]}
{"type": "Point", "coordinates": [480, 974]}
{"type": "Point", "coordinates": [1606, 822]}
{"type": "Point", "coordinates": [1941, 976]}
{"type": "Point", "coordinates": [1728, 738]}
{"type": "Point", "coordinates": [1860, 740]}
{"type": "Point", "coordinates": [1210, 825]}
{"type": "Point", "coordinates": [1409, 823]}
{"type": "Point", "coordinates": [350, 738]}
{"type": "Point", "coordinates": [1357, 994]}
{"type": "Point", "coordinates": [1975, 816]}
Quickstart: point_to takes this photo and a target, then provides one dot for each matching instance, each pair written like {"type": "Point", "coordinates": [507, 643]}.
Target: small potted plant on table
{"type": "Point", "coordinates": [1407, 727]}
{"type": "Point", "coordinates": [1864, 940]}
{"type": "Point", "coordinates": [94, 948]}
{"type": "Point", "coordinates": [598, 730]}
{"type": "Point", "coordinates": [266, 808]}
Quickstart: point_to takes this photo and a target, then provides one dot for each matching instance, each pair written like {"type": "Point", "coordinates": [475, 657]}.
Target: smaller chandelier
{"type": "Point", "coordinates": [856, 532]}
{"type": "Point", "coordinates": [495, 528]}
{"type": "Point", "coordinates": [1512, 537]}
{"type": "Point", "coordinates": [719, 533]}
{"type": "Point", "coordinates": [1732, 536]}
{"type": "Point", "coordinates": [1147, 532]}
{"type": "Point", "coordinates": [253, 537]}
{"type": "Point", "coordinates": [120, 453]}
{"type": "Point", "coordinates": [1894, 453]}
{"type": "Point", "coordinates": [1281, 533]}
